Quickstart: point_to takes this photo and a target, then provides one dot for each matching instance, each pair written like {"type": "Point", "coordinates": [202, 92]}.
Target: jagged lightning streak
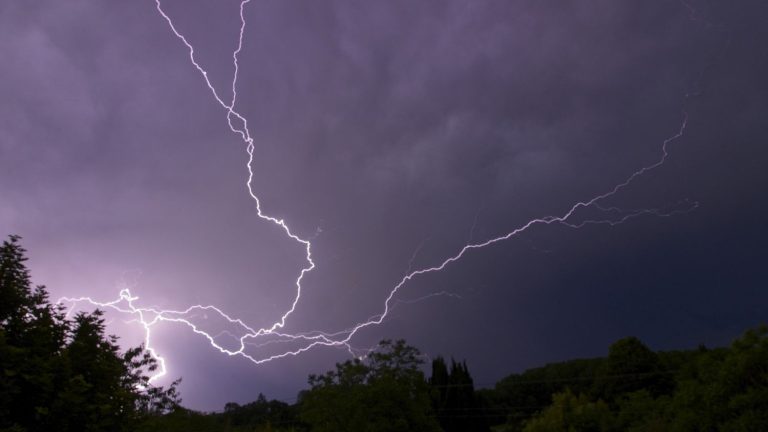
{"type": "Point", "coordinates": [148, 317]}
{"type": "Point", "coordinates": [246, 136]}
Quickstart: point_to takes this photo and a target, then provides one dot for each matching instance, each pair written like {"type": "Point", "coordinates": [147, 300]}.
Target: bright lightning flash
{"type": "Point", "coordinates": [246, 336]}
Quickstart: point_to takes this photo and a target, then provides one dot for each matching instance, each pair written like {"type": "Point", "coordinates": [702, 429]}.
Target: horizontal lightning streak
{"type": "Point", "coordinates": [147, 317]}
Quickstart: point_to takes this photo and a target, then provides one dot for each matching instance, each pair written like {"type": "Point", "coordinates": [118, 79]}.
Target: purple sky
{"type": "Point", "coordinates": [382, 129]}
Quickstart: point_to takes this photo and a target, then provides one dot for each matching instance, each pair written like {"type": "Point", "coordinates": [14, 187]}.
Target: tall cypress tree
{"type": "Point", "coordinates": [439, 381]}
{"type": "Point", "coordinates": [453, 398]}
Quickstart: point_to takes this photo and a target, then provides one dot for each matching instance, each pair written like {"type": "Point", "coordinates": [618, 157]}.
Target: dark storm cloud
{"type": "Point", "coordinates": [381, 128]}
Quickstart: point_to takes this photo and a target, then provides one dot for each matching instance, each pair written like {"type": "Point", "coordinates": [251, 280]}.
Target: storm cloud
{"type": "Point", "coordinates": [391, 134]}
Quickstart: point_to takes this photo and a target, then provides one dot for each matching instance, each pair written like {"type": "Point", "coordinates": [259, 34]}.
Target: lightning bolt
{"type": "Point", "coordinates": [293, 344]}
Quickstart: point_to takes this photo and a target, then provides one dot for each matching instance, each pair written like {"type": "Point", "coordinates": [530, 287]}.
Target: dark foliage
{"type": "Point", "coordinates": [453, 398]}
{"type": "Point", "coordinates": [260, 416]}
{"type": "Point", "coordinates": [519, 396]}
{"type": "Point", "coordinates": [384, 392]}
{"type": "Point", "coordinates": [59, 374]}
{"type": "Point", "coordinates": [634, 388]}
{"type": "Point", "coordinates": [271, 413]}
{"type": "Point", "coordinates": [638, 367]}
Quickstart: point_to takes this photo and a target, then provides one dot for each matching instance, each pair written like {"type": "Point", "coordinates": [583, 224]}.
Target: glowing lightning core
{"type": "Point", "coordinates": [148, 317]}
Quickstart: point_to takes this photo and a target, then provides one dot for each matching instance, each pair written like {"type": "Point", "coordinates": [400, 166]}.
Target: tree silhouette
{"type": "Point", "coordinates": [61, 374]}
{"type": "Point", "coordinates": [638, 367]}
{"type": "Point", "coordinates": [453, 398]}
{"type": "Point", "coordinates": [384, 392]}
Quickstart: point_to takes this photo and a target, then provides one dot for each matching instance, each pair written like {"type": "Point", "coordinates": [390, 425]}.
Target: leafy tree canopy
{"type": "Point", "coordinates": [385, 391]}
{"type": "Point", "coordinates": [65, 374]}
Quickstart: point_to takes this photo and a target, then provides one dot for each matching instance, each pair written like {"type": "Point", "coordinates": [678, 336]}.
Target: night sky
{"type": "Point", "coordinates": [391, 134]}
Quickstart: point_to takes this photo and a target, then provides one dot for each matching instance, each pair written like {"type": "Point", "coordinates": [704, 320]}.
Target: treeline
{"type": "Point", "coordinates": [636, 389]}
{"type": "Point", "coordinates": [385, 391]}
{"type": "Point", "coordinates": [64, 374]}
{"type": "Point", "coordinates": [631, 389]}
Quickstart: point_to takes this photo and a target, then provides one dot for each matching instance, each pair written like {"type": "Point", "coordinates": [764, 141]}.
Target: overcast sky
{"type": "Point", "coordinates": [391, 134]}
